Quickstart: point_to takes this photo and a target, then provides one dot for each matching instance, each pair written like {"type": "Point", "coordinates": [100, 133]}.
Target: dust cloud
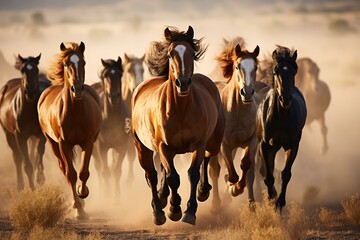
{"type": "Point", "coordinates": [117, 28]}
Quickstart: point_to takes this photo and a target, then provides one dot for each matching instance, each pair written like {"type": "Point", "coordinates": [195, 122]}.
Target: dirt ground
{"type": "Point", "coordinates": [317, 180]}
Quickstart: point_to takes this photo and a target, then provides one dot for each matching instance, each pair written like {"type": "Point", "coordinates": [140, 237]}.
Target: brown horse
{"type": "Point", "coordinates": [316, 93]}
{"type": "Point", "coordinates": [19, 118]}
{"type": "Point", "coordinates": [69, 115]}
{"type": "Point", "coordinates": [115, 115]}
{"type": "Point", "coordinates": [240, 104]}
{"type": "Point", "coordinates": [176, 112]}
{"type": "Point", "coordinates": [280, 119]}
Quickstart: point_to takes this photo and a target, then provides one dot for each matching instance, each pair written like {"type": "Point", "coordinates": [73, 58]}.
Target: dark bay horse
{"type": "Point", "coordinates": [280, 119]}
{"type": "Point", "coordinates": [316, 93]}
{"type": "Point", "coordinates": [19, 118]}
{"type": "Point", "coordinates": [115, 116]}
{"type": "Point", "coordinates": [240, 103]}
{"type": "Point", "coordinates": [69, 115]}
{"type": "Point", "coordinates": [176, 112]}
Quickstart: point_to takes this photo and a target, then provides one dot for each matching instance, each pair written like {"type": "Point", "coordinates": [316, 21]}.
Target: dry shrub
{"type": "Point", "coordinates": [38, 232]}
{"type": "Point", "coordinates": [44, 207]}
{"type": "Point", "coordinates": [352, 209]}
{"type": "Point", "coordinates": [327, 217]}
{"type": "Point", "coordinates": [265, 223]}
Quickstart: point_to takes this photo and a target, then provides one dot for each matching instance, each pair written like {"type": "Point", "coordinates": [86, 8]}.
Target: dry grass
{"type": "Point", "coordinates": [37, 233]}
{"type": "Point", "coordinates": [352, 209]}
{"type": "Point", "coordinates": [265, 223]}
{"type": "Point", "coordinates": [44, 207]}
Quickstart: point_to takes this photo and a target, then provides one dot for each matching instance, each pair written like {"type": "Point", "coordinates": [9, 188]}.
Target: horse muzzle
{"type": "Point", "coordinates": [183, 87]}
{"type": "Point", "coordinates": [247, 95]}
{"type": "Point", "coordinates": [78, 92]}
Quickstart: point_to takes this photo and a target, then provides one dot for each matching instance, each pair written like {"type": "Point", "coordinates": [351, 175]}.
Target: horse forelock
{"type": "Point", "coordinates": [282, 55]}
{"type": "Point", "coordinates": [111, 64]}
{"type": "Point", "coordinates": [56, 67]}
{"type": "Point", "coordinates": [156, 57]}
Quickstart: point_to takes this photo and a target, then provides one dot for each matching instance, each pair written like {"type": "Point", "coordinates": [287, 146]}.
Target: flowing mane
{"type": "Point", "coordinates": [156, 57]}
{"type": "Point", "coordinates": [228, 56]}
{"type": "Point", "coordinates": [56, 68]}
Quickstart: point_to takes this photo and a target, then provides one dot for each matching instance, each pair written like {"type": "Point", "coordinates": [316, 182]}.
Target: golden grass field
{"type": "Point", "coordinates": [322, 196]}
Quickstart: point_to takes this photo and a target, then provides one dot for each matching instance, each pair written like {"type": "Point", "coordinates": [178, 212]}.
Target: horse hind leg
{"type": "Point", "coordinates": [17, 160]}
{"type": "Point", "coordinates": [40, 149]}
{"type": "Point", "coordinates": [118, 158]}
{"type": "Point", "coordinates": [22, 143]}
{"type": "Point", "coordinates": [324, 131]}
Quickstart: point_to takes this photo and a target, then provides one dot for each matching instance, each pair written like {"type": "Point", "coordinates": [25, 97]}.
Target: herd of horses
{"type": "Point", "coordinates": [258, 106]}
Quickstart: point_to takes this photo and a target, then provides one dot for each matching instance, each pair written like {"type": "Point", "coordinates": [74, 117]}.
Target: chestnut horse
{"type": "Point", "coordinates": [19, 118]}
{"type": "Point", "coordinates": [115, 115]}
{"type": "Point", "coordinates": [280, 119]}
{"type": "Point", "coordinates": [176, 112]}
{"type": "Point", "coordinates": [69, 115]}
{"type": "Point", "coordinates": [240, 103]}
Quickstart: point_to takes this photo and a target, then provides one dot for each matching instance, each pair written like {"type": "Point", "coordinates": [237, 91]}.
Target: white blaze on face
{"type": "Point", "coordinates": [75, 60]}
{"type": "Point", "coordinates": [29, 67]}
{"type": "Point", "coordinates": [248, 66]}
{"type": "Point", "coordinates": [180, 49]}
{"type": "Point", "coordinates": [138, 74]}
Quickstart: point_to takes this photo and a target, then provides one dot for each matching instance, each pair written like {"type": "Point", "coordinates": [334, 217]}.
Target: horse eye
{"type": "Point", "coordinates": [237, 67]}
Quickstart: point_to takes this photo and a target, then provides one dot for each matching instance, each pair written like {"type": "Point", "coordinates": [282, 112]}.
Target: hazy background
{"type": "Point", "coordinates": [326, 31]}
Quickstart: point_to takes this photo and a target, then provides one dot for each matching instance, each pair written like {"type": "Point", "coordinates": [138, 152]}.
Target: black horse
{"type": "Point", "coordinates": [280, 119]}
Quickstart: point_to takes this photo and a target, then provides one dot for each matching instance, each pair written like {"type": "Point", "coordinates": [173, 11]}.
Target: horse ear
{"type": "Point", "coordinates": [273, 54]}
{"type": "Point", "coordinates": [119, 61]}
{"type": "Point", "coordinates": [238, 50]}
{"type": "Point", "coordinates": [21, 58]}
{"type": "Point", "coordinates": [62, 47]}
{"type": "Point", "coordinates": [190, 32]}
{"type": "Point", "coordinates": [38, 58]}
{"type": "Point", "coordinates": [256, 51]}
{"type": "Point", "coordinates": [127, 59]}
{"type": "Point", "coordinates": [294, 56]}
{"type": "Point", "coordinates": [103, 62]}
{"type": "Point", "coordinates": [82, 47]}
{"type": "Point", "coordinates": [167, 34]}
{"type": "Point", "coordinates": [143, 57]}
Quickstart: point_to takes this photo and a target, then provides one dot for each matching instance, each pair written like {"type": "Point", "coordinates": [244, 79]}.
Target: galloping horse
{"type": "Point", "coordinates": [176, 112]}
{"type": "Point", "coordinates": [280, 119]}
{"type": "Point", "coordinates": [115, 115]}
{"type": "Point", "coordinates": [240, 104]}
{"type": "Point", "coordinates": [19, 118]}
{"type": "Point", "coordinates": [316, 93]}
{"type": "Point", "coordinates": [69, 115]}
{"type": "Point", "coordinates": [133, 75]}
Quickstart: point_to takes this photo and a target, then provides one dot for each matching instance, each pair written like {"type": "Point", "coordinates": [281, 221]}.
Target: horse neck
{"type": "Point", "coordinates": [125, 88]}
{"type": "Point", "coordinates": [234, 92]}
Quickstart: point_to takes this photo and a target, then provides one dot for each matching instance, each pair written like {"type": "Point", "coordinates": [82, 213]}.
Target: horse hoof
{"type": "Point", "coordinates": [202, 197]}
{"type": "Point", "coordinates": [175, 216]}
{"type": "Point", "coordinates": [82, 192]}
{"type": "Point", "coordinates": [190, 219]}
{"type": "Point", "coordinates": [159, 219]}
{"type": "Point", "coordinates": [40, 179]}
{"type": "Point", "coordinates": [235, 191]}
{"type": "Point", "coordinates": [81, 215]}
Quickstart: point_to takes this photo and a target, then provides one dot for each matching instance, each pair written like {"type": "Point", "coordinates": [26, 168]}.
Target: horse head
{"type": "Point", "coordinates": [30, 72]}
{"type": "Point", "coordinates": [134, 70]}
{"type": "Point", "coordinates": [246, 65]}
{"type": "Point", "coordinates": [111, 78]}
{"type": "Point", "coordinates": [74, 69]}
{"type": "Point", "coordinates": [285, 69]}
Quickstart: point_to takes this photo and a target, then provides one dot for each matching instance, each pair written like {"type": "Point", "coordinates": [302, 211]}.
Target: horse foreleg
{"type": "Point", "coordinates": [22, 143]}
{"type": "Point", "coordinates": [290, 156]}
{"type": "Point", "coordinates": [267, 154]}
{"type": "Point", "coordinates": [83, 190]}
{"type": "Point", "coordinates": [214, 172]}
{"type": "Point", "coordinates": [131, 154]}
{"type": "Point", "coordinates": [204, 187]}
{"type": "Point", "coordinates": [40, 149]}
{"type": "Point", "coordinates": [10, 138]}
{"type": "Point", "coordinates": [194, 177]}
{"type": "Point", "coordinates": [228, 155]}
{"type": "Point", "coordinates": [164, 191]}
{"type": "Point", "coordinates": [118, 158]}
{"type": "Point", "coordinates": [173, 180]}
{"type": "Point", "coordinates": [145, 156]}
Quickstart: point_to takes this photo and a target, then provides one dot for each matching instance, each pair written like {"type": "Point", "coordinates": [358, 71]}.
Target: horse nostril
{"type": "Point", "coordinates": [189, 82]}
{"type": "Point", "coordinates": [177, 82]}
{"type": "Point", "coordinates": [25, 91]}
{"type": "Point", "coordinates": [242, 92]}
{"type": "Point", "coordinates": [252, 91]}
{"type": "Point", "coordinates": [72, 88]}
